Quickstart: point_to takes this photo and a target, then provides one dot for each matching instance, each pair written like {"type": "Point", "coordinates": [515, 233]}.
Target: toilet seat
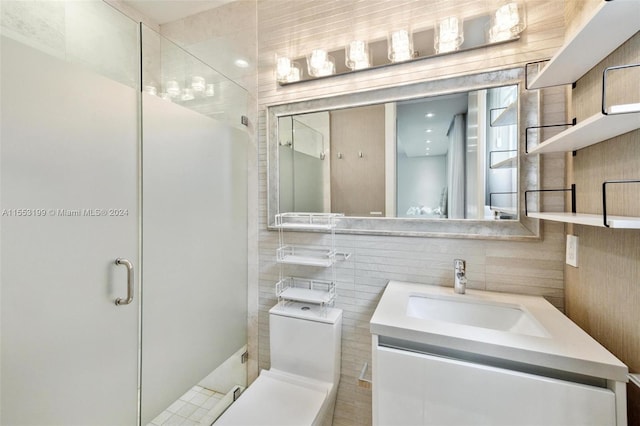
{"type": "Point", "coordinates": [278, 399]}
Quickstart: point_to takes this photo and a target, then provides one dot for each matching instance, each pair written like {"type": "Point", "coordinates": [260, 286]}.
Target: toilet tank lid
{"type": "Point", "coordinates": [307, 311]}
{"type": "Point", "coordinates": [270, 400]}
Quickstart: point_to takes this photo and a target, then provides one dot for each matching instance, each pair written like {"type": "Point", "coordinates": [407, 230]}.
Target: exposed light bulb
{"type": "Point", "coordinates": [449, 35]}
{"type": "Point", "coordinates": [187, 94]}
{"type": "Point", "coordinates": [283, 68]}
{"type": "Point", "coordinates": [507, 22]}
{"type": "Point", "coordinates": [400, 46]}
{"type": "Point", "coordinates": [210, 90]}
{"type": "Point", "coordinates": [287, 71]}
{"type": "Point", "coordinates": [150, 89]}
{"type": "Point", "coordinates": [507, 17]}
{"type": "Point", "coordinates": [173, 88]}
{"type": "Point", "coordinates": [198, 83]}
{"type": "Point", "coordinates": [294, 74]}
{"type": "Point", "coordinates": [320, 64]}
{"type": "Point", "coordinates": [318, 58]}
{"type": "Point", "coordinates": [357, 55]}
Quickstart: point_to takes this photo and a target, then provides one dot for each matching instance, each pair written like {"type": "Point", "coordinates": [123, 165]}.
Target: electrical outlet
{"type": "Point", "coordinates": [572, 250]}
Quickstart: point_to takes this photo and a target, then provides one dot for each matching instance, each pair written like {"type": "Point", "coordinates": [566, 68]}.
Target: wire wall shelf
{"type": "Point", "coordinates": [320, 292]}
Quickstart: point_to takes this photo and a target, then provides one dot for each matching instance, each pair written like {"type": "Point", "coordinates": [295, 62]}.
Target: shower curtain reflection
{"type": "Point", "coordinates": [456, 167]}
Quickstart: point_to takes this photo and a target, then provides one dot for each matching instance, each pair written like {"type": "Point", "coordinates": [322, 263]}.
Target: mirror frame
{"type": "Point", "coordinates": [524, 228]}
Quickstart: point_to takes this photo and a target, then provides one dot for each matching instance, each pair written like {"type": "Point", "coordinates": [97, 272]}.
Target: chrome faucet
{"type": "Point", "coordinates": [459, 277]}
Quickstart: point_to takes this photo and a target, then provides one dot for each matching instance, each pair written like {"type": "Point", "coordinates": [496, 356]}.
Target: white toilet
{"type": "Point", "coordinates": [300, 388]}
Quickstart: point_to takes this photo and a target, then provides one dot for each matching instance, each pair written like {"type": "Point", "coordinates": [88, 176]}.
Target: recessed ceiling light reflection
{"type": "Point", "coordinates": [429, 115]}
{"type": "Point", "coordinates": [241, 63]}
{"type": "Point", "coordinates": [428, 130]}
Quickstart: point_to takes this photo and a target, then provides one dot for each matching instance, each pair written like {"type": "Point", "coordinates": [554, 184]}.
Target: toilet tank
{"type": "Point", "coordinates": [305, 339]}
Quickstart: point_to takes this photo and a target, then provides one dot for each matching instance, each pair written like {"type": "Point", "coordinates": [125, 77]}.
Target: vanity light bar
{"type": "Point", "coordinates": [503, 25]}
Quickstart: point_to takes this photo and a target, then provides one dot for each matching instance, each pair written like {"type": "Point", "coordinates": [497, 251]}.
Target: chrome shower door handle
{"type": "Point", "coordinates": [129, 266]}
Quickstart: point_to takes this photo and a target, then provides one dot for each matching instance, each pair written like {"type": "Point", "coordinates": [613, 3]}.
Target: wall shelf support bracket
{"type": "Point", "coordinates": [526, 132]}
{"type": "Point", "coordinates": [572, 190]}
{"type": "Point", "coordinates": [604, 195]}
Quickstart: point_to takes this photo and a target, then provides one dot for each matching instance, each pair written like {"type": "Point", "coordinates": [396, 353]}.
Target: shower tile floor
{"type": "Point", "coordinates": [191, 409]}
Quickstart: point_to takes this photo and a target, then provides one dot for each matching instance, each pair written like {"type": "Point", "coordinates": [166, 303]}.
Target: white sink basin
{"type": "Point", "coordinates": [476, 313]}
{"type": "Point", "coordinates": [499, 326]}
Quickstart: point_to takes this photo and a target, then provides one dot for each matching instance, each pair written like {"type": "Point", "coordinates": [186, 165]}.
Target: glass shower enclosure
{"type": "Point", "coordinates": [123, 177]}
{"type": "Point", "coordinates": [304, 163]}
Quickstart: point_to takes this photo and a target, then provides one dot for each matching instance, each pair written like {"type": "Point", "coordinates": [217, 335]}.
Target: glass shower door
{"type": "Point", "coordinates": [69, 199]}
{"type": "Point", "coordinates": [194, 236]}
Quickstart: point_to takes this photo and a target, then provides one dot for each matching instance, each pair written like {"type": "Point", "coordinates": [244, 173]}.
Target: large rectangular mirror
{"type": "Point", "coordinates": [450, 156]}
{"type": "Point", "coordinates": [439, 158]}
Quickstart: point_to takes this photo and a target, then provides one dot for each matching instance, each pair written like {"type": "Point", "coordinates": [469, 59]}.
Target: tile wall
{"type": "Point", "coordinates": [92, 35]}
{"type": "Point", "coordinates": [603, 292]}
{"type": "Point", "coordinates": [294, 27]}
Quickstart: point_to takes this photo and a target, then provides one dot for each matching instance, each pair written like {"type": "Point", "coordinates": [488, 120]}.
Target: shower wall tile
{"type": "Point", "coordinates": [103, 39]}
{"type": "Point", "coordinates": [294, 27]}
{"type": "Point", "coordinates": [39, 24]}
{"type": "Point", "coordinates": [90, 33]}
{"type": "Point", "coordinates": [219, 37]}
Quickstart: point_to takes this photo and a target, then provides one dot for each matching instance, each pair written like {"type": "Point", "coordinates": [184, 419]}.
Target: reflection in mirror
{"type": "Point", "coordinates": [350, 147]}
{"type": "Point", "coordinates": [450, 156]}
{"type": "Point", "coordinates": [304, 173]}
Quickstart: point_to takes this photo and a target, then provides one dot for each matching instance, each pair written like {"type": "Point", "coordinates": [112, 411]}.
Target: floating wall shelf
{"type": "Point", "coordinates": [505, 210]}
{"type": "Point", "coordinates": [510, 209]}
{"type": "Point", "coordinates": [612, 23]}
{"type": "Point", "coordinates": [305, 290]}
{"type": "Point", "coordinates": [623, 109]}
{"type": "Point", "coordinates": [508, 116]}
{"type": "Point", "coordinates": [308, 256]}
{"type": "Point", "coordinates": [307, 221]}
{"type": "Point", "coordinates": [597, 128]}
{"type": "Point", "coordinates": [509, 159]}
{"type": "Point", "coordinates": [509, 163]}
{"type": "Point", "coordinates": [620, 222]}
{"type": "Point", "coordinates": [601, 220]}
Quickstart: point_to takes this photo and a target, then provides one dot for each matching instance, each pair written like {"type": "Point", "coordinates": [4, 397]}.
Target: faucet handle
{"type": "Point", "coordinates": [459, 265]}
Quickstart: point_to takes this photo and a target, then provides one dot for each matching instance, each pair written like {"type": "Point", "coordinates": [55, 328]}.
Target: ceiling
{"type": "Point", "coordinates": [424, 123]}
{"type": "Point", "coordinates": [163, 11]}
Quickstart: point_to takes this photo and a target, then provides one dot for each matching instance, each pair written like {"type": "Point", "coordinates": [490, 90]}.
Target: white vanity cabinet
{"type": "Point", "coordinates": [413, 388]}
{"type": "Point", "coordinates": [494, 359]}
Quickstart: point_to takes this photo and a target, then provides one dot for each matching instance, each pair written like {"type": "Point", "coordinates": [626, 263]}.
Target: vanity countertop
{"type": "Point", "coordinates": [563, 346]}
